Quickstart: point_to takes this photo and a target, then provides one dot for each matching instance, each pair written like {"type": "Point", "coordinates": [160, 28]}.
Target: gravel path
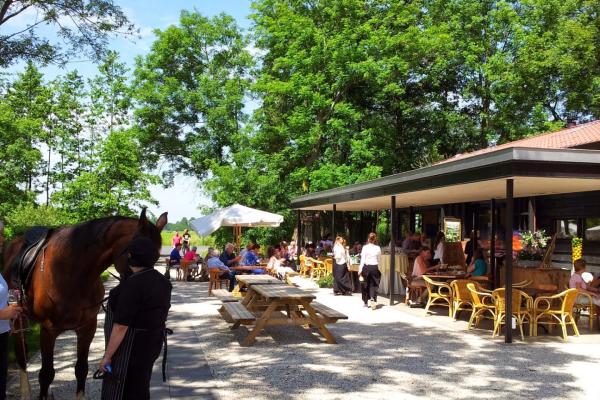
{"type": "Point", "coordinates": [393, 352]}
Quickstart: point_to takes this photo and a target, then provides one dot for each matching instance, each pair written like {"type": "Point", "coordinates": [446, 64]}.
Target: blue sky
{"type": "Point", "coordinates": [184, 198]}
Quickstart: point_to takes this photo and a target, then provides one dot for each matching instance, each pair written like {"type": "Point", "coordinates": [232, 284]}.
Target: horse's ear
{"type": "Point", "coordinates": [143, 219]}
{"type": "Point", "coordinates": [162, 221]}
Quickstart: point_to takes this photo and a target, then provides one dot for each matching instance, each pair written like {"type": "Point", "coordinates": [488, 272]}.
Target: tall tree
{"type": "Point", "coordinates": [82, 27]}
{"type": "Point", "coordinates": [190, 90]}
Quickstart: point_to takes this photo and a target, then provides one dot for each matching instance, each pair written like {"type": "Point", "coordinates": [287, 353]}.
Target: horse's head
{"type": "Point", "coordinates": [144, 228]}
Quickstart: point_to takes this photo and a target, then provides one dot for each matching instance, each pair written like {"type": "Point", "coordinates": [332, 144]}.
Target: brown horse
{"type": "Point", "coordinates": [66, 290]}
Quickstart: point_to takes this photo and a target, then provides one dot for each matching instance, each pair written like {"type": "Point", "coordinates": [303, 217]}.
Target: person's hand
{"type": "Point", "coordinates": [104, 362]}
{"type": "Point", "coordinates": [13, 311]}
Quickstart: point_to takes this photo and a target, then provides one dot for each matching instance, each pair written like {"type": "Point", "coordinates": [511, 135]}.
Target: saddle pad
{"type": "Point", "coordinates": [22, 266]}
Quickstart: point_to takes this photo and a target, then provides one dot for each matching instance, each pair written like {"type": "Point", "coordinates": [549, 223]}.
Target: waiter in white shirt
{"type": "Point", "coordinates": [369, 271]}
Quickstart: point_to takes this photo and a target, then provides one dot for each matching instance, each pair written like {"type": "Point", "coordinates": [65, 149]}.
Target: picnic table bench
{"type": "Point", "coordinates": [265, 302]}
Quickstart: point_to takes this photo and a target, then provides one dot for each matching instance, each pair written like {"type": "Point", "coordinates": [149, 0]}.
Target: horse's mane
{"type": "Point", "coordinates": [94, 229]}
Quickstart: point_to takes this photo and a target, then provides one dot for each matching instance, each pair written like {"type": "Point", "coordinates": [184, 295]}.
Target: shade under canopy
{"type": "Point", "coordinates": [235, 215]}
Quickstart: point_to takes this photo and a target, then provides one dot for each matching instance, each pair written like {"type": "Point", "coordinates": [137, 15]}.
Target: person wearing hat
{"type": "Point", "coordinates": [135, 325]}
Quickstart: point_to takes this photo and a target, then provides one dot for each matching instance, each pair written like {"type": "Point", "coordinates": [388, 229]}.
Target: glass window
{"type": "Point", "coordinates": [592, 229]}
{"type": "Point", "coordinates": [566, 228]}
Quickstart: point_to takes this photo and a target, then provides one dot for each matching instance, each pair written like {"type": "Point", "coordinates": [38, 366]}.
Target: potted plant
{"type": "Point", "coordinates": [533, 246]}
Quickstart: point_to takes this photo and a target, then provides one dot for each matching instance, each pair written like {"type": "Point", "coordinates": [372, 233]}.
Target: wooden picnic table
{"type": "Point", "coordinates": [248, 280]}
{"type": "Point", "coordinates": [264, 303]}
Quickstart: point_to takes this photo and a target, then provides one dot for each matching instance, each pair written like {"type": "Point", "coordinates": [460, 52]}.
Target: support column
{"type": "Point", "coordinates": [411, 219]}
{"type": "Point", "coordinates": [493, 229]}
{"type": "Point", "coordinates": [393, 222]}
{"type": "Point", "coordinates": [333, 222]}
{"type": "Point", "coordinates": [531, 220]}
{"type": "Point", "coordinates": [299, 228]}
{"type": "Point", "coordinates": [508, 259]}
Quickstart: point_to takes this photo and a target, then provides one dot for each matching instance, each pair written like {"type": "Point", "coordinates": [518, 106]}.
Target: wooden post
{"type": "Point", "coordinates": [531, 220]}
{"type": "Point", "coordinates": [411, 219]}
{"type": "Point", "coordinates": [493, 242]}
{"type": "Point", "coordinates": [333, 222]}
{"type": "Point", "coordinates": [393, 222]}
{"type": "Point", "coordinates": [299, 228]}
{"type": "Point", "coordinates": [508, 259]}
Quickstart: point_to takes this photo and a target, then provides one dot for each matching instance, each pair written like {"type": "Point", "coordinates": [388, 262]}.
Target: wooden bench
{"type": "Point", "coordinates": [224, 295]}
{"type": "Point", "coordinates": [238, 314]}
{"type": "Point", "coordinates": [328, 313]}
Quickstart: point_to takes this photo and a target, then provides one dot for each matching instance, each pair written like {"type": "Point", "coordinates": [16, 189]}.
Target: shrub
{"type": "Point", "coordinates": [326, 282]}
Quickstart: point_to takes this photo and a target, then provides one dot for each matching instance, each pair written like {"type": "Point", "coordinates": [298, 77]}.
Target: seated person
{"type": "Point", "coordinates": [228, 257]}
{"type": "Point", "coordinates": [421, 268]}
{"type": "Point", "coordinates": [275, 263]}
{"type": "Point", "coordinates": [174, 260]}
{"type": "Point", "coordinates": [478, 267]}
{"type": "Point", "coordinates": [577, 282]}
{"type": "Point", "coordinates": [245, 250]}
{"type": "Point", "coordinates": [213, 262]}
{"type": "Point", "coordinates": [192, 257]}
{"type": "Point", "coordinates": [252, 258]}
{"type": "Point", "coordinates": [356, 249]}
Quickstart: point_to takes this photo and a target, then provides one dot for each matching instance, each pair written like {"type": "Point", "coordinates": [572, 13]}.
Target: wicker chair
{"type": "Point", "coordinates": [522, 284]}
{"type": "Point", "coordinates": [440, 294]}
{"type": "Point", "coordinates": [318, 270]}
{"type": "Point", "coordinates": [329, 266]}
{"type": "Point", "coordinates": [588, 307]}
{"type": "Point", "coordinates": [482, 302]}
{"type": "Point", "coordinates": [413, 292]}
{"type": "Point", "coordinates": [556, 310]}
{"type": "Point", "coordinates": [521, 309]}
{"type": "Point", "coordinates": [304, 267]}
{"type": "Point", "coordinates": [461, 297]}
{"type": "Point", "coordinates": [214, 281]}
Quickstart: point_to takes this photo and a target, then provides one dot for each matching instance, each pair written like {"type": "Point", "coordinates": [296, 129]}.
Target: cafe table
{"type": "Point", "coordinates": [265, 300]}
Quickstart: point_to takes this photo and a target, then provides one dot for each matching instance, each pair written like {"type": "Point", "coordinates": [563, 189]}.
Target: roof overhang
{"type": "Point", "coordinates": [536, 172]}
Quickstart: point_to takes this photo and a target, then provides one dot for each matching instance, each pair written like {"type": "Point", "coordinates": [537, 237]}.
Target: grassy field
{"type": "Point", "coordinates": [167, 239]}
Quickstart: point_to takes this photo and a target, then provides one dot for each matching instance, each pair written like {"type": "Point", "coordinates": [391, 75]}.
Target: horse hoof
{"type": "Point", "coordinates": [80, 396]}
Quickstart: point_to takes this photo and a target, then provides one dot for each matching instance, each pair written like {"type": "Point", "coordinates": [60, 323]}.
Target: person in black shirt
{"type": "Point", "coordinates": [135, 325]}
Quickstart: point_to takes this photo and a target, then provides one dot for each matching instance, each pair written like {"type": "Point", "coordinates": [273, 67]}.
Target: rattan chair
{"type": "Point", "coordinates": [318, 269]}
{"type": "Point", "coordinates": [522, 305]}
{"type": "Point", "coordinates": [522, 284]}
{"type": "Point", "coordinates": [440, 294]}
{"type": "Point", "coordinates": [329, 266]}
{"type": "Point", "coordinates": [588, 307]}
{"type": "Point", "coordinates": [304, 265]}
{"type": "Point", "coordinates": [461, 297]}
{"type": "Point", "coordinates": [482, 302]}
{"type": "Point", "coordinates": [556, 310]}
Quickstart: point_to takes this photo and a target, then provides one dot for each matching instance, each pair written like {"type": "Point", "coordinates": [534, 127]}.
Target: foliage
{"type": "Point", "coordinates": [383, 231]}
{"type": "Point", "coordinates": [326, 281]}
{"type": "Point", "coordinates": [533, 244]}
{"type": "Point", "coordinates": [82, 28]}
{"type": "Point", "coordinates": [577, 248]}
{"type": "Point", "coordinates": [25, 216]}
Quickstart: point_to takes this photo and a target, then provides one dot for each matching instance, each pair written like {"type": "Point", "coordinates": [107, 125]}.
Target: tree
{"type": "Point", "coordinates": [117, 186]}
{"type": "Point", "coordinates": [82, 28]}
{"type": "Point", "coordinates": [190, 90]}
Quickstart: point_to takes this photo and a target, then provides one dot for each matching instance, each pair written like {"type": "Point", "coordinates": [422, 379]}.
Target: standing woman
{"type": "Point", "coordinates": [136, 315]}
{"type": "Point", "coordinates": [7, 312]}
{"type": "Point", "coordinates": [369, 271]}
{"type": "Point", "coordinates": [341, 279]}
{"type": "Point", "coordinates": [438, 256]}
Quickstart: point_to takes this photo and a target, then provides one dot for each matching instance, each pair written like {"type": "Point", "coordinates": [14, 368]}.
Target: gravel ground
{"type": "Point", "coordinates": [393, 352]}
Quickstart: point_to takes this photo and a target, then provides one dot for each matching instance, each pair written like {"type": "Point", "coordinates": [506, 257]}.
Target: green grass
{"type": "Point", "coordinates": [167, 239]}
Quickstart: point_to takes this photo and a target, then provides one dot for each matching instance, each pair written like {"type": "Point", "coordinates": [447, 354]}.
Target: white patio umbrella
{"type": "Point", "coordinates": [236, 216]}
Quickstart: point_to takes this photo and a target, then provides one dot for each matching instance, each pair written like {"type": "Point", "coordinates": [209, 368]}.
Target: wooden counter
{"type": "Point", "coordinates": [540, 276]}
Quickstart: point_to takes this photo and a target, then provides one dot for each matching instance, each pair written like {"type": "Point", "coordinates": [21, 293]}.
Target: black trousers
{"type": "Point", "coordinates": [341, 279]}
{"type": "Point", "coordinates": [372, 277]}
{"type": "Point", "coordinates": [3, 364]}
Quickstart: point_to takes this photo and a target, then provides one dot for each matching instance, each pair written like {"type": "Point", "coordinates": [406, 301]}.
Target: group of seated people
{"type": "Point", "coordinates": [280, 260]}
{"type": "Point", "coordinates": [190, 256]}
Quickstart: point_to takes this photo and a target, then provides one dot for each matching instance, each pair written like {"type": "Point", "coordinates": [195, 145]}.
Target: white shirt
{"type": "Point", "coordinates": [339, 254]}
{"type": "Point", "coordinates": [4, 323]}
{"type": "Point", "coordinates": [370, 255]}
{"type": "Point", "coordinates": [439, 252]}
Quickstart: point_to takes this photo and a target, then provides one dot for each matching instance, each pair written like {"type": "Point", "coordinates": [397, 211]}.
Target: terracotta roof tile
{"type": "Point", "coordinates": [563, 139]}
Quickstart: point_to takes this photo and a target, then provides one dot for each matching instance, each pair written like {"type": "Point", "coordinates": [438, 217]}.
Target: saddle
{"type": "Point", "coordinates": [22, 266]}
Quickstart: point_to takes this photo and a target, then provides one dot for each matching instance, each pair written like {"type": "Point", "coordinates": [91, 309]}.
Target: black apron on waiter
{"type": "Point", "coordinates": [140, 302]}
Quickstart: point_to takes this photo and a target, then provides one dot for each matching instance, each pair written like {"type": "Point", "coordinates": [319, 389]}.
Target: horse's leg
{"type": "Point", "coordinates": [46, 376]}
{"type": "Point", "coordinates": [85, 335]}
{"type": "Point", "coordinates": [21, 356]}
